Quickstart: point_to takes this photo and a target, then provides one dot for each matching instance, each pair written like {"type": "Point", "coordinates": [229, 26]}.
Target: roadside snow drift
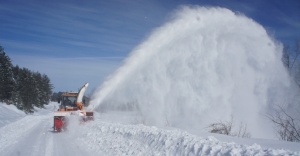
{"type": "Point", "coordinates": [32, 135]}
{"type": "Point", "coordinates": [205, 65]}
{"type": "Point", "coordinates": [117, 139]}
{"type": "Point", "coordinates": [9, 114]}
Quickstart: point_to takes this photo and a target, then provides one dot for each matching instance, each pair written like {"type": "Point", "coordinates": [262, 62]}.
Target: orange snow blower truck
{"type": "Point", "coordinates": [71, 103]}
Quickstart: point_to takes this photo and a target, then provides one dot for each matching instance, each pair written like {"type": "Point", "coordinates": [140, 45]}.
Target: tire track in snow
{"type": "Point", "coordinates": [33, 136]}
{"type": "Point", "coordinates": [26, 136]}
{"type": "Point", "coordinates": [42, 139]}
{"type": "Point", "coordinates": [11, 133]}
{"type": "Point", "coordinates": [65, 143]}
{"type": "Point", "coordinates": [49, 146]}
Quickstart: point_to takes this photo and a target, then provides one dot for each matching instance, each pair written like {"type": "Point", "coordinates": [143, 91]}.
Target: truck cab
{"type": "Point", "coordinates": [68, 101]}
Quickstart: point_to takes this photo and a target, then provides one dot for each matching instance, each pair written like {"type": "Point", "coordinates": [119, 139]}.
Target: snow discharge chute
{"type": "Point", "coordinates": [81, 92]}
{"type": "Point", "coordinates": [203, 66]}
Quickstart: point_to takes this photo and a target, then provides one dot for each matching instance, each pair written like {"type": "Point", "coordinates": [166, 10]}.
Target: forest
{"type": "Point", "coordinates": [22, 87]}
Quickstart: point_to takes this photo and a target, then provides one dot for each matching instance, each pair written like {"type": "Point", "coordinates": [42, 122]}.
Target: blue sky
{"type": "Point", "coordinates": [78, 41]}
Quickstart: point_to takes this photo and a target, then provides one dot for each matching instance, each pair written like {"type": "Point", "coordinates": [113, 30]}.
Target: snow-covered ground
{"type": "Point", "coordinates": [31, 135]}
{"type": "Point", "coordinates": [9, 113]}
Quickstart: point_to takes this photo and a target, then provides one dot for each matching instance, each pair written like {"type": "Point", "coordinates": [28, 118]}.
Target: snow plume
{"type": "Point", "coordinates": [205, 65]}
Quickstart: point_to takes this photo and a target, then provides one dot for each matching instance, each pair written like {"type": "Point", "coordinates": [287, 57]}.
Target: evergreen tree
{"type": "Point", "coordinates": [286, 58]}
{"type": "Point", "coordinates": [33, 89]}
{"type": "Point", "coordinates": [43, 89]}
{"type": "Point", "coordinates": [55, 97]}
{"type": "Point", "coordinates": [26, 90]}
{"type": "Point", "coordinates": [46, 89]}
{"type": "Point", "coordinates": [16, 100]}
{"type": "Point", "coordinates": [22, 87]}
{"type": "Point", "coordinates": [6, 77]}
{"type": "Point", "coordinates": [38, 98]}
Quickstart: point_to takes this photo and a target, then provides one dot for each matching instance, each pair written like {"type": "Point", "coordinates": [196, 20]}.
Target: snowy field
{"type": "Point", "coordinates": [32, 135]}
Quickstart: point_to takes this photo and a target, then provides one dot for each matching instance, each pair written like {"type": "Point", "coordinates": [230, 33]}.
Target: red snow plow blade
{"type": "Point", "coordinates": [59, 123]}
{"type": "Point", "coordinates": [61, 119]}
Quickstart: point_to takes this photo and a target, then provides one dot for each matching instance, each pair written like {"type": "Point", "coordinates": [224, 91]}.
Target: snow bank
{"type": "Point", "coordinates": [9, 114]}
{"type": "Point", "coordinates": [118, 139]}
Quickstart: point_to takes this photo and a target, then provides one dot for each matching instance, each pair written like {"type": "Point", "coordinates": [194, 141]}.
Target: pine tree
{"type": "Point", "coordinates": [43, 89]}
{"type": "Point", "coordinates": [6, 77]}
{"type": "Point", "coordinates": [22, 87]}
{"type": "Point", "coordinates": [16, 99]}
{"type": "Point", "coordinates": [26, 90]}
{"type": "Point", "coordinates": [46, 89]}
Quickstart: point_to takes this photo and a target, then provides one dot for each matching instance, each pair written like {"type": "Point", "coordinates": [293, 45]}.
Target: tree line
{"type": "Point", "coordinates": [22, 87]}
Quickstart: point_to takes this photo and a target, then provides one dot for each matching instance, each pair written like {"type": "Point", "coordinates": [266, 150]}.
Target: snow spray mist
{"type": "Point", "coordinates": [205, 65]}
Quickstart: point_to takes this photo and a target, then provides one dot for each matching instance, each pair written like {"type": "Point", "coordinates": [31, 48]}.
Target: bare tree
{"type": "Point", "coordinates": [291, 60]}
{"type": "Point", "coordinates": [287, 126]}
{"type": "Point", "coordinates": [242, 131]}
{"type": "Point", "coordinates": [226, 128]}
{"type": "Point", "coordinates": [286, 57]}
{"type": "Point", "coordinates": [221, 128]}
{"type": "Point", "coordinates": [296, 53]}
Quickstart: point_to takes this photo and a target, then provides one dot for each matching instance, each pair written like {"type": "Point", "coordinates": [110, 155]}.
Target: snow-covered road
{"type": "Point", "coordinates": [32, 135]}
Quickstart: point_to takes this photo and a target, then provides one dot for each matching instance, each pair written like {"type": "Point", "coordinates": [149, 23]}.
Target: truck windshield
{"type": "Point", "coordinates": [69, 101]}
